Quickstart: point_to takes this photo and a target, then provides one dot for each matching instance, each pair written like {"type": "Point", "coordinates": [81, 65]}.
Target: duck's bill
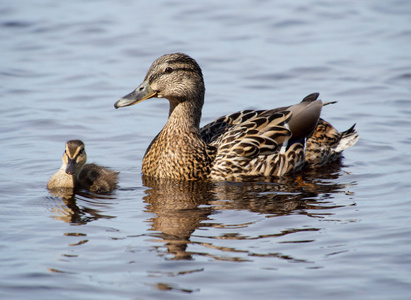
{"type": "Point", "coordinates": [71, 166]}
{"type": "Point", "coordinates": [143, 92]}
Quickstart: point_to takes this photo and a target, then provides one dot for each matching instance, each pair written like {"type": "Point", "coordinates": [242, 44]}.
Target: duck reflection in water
{"type": "Point", "coordinates": [65, 207]}
{"type": "Point", "coordinates": [182, 207]}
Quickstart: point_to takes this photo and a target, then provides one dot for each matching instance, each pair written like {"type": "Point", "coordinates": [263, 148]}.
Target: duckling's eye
{"type": "Point", "coordinates": [168, 70]}
{"type": "Point", "coordinates": [81, 151]}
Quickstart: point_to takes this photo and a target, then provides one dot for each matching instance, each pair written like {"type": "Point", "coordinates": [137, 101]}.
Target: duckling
{"type": "Point", "coordinates": [246, 143]}
{"type": "Point", "coordinates": [75, 173]}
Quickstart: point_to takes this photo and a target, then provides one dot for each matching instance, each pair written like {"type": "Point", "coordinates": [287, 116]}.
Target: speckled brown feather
{"type": "Point", "coordinates": [186, 157]}
{"type": "Point", "coordinates": [326, 143]}
{"type": "Point", "coordinates": [246, 143]}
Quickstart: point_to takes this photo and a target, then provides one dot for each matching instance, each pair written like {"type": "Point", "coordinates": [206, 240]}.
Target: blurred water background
{"type": "Point", "coordinates": [342, 232]}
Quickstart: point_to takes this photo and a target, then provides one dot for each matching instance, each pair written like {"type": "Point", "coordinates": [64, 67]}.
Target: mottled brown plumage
{"type": "Point", "coordinates": [326, 143]}
{"type": "Point", "coordinates": [75, 173]}
{"type": "Point", "coordinates": [246, 143]}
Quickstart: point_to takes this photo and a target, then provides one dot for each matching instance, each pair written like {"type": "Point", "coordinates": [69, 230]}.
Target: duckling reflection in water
{"type": "Point", "coordinates": [75, 173]}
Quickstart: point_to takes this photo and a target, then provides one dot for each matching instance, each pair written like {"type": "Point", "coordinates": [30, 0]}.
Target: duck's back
{"type": "Point", "coordinates": [263, 143]}
{"type": "Point", "coordinates": [97, 179]}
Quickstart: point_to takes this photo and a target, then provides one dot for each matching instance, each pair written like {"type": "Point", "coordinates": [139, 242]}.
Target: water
{"type": "Point", "coordinates": [337, 233]}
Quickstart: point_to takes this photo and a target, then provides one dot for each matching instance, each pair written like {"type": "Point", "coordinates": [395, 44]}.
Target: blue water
{"type": "Point", "coordinates": [341, 232]}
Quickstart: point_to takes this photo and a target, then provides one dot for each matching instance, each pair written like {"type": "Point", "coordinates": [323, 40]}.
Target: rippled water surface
{"type": "Point", "coordinates": [340, 232]}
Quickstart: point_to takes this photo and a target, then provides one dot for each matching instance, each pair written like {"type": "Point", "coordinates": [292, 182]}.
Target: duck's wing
{"type": "Point", "coordinates": [217, 128]}
{"type": "Point", "coordinates": [269, 142]}
{"type": "Point", "coordinates": [252, 133]}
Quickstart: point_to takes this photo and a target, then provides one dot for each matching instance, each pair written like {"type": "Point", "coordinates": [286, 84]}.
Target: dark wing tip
{"type": "Point", "coordinates": [311, 97]}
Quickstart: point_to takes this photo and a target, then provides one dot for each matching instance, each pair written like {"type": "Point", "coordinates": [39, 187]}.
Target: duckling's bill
{"type": "Point", "coordinates": [143, 92]}
{"type": "Point", "coordinates": [71, 166]}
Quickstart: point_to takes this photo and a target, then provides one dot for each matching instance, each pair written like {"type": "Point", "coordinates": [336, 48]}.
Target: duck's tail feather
{"type": "Point", "coordinates": [348, 139]}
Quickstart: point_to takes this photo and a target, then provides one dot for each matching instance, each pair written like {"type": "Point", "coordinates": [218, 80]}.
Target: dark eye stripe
{"type": "Point", "coordinates": [157, 75]}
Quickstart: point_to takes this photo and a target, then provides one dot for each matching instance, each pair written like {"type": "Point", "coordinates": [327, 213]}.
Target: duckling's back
{"type": "Point", "coordinates": [98, 179]}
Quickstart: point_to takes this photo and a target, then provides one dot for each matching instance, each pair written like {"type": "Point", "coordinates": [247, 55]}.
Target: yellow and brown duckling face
{"type": "Point", "coordinates": [74, 157]}
{"type": "Point", "coordinates": [176, 77]}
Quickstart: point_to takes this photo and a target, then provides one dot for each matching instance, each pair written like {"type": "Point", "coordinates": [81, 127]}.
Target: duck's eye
{"type": "Point", "coordinates": [81, 151]}
{"type": "Point", "coordinates": [168, 70]}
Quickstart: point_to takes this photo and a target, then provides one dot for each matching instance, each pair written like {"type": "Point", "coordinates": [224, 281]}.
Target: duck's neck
{"type": "Point", "coordinates": [184, 115]}
{"type": "Point", "coordinates": [178, 151]}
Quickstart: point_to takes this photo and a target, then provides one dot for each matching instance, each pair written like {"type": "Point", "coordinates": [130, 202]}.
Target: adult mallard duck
{"type": "Point", "coordinates": [75, 173]}
{"type": "Point", "coordinates": [247, 143]}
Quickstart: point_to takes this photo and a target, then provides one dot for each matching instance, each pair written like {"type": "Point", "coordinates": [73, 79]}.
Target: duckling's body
{"type": "Point", "coordinates": [75, 173]}
{"type": "Point", "coordinates": [61, 179]}
{"type": "Point", "coordinates": [246, 143]}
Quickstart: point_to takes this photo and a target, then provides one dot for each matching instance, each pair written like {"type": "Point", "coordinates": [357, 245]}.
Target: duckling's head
{"type": "Point", "coordinates": [176, 77]}
{"type": "Point", "coordinates": [74, 157]}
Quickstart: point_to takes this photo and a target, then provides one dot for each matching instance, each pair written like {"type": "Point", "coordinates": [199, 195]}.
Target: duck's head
{"type": "Point", "coordinates": [176, 77]}
{"type": "Point", "coordinates": [74, 157]}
